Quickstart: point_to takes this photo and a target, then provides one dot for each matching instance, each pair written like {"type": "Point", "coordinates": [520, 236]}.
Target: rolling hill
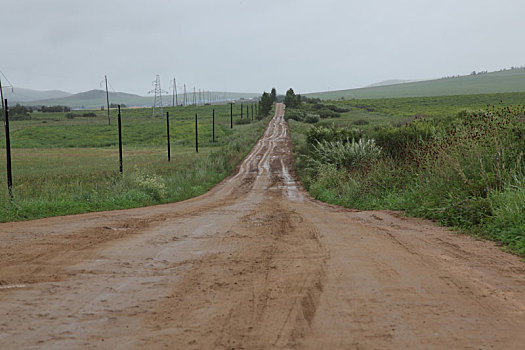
{"type": "Point", "coordinates": [510, 80]}
{"type": "Point", "coordinates": [19, 95]}
{"type": "Point", "coordinates": [97, 98]}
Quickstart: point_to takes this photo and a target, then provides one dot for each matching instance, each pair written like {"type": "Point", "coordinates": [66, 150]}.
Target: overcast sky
{"type": "Point", "coordinates": [253, 45]}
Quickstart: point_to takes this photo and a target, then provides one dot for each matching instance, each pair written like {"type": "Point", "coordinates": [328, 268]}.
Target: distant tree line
{"type": "Point", "coordinates": [53, 109]}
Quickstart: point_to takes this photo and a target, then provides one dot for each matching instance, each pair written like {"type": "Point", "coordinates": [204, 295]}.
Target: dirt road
{"type": "Point", "coordinates": [255, 264]}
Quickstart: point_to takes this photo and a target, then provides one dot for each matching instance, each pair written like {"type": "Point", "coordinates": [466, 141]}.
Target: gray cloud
{"type": "Point", "coordinates": [253, 45]}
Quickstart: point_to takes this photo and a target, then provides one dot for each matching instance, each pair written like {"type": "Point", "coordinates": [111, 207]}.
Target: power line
{"type": "Point", "coordinates": [157, 102]}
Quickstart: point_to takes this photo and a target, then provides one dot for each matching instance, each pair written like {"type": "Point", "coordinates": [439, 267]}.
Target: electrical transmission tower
{"type": "Point", "coordinates": [157, 102]}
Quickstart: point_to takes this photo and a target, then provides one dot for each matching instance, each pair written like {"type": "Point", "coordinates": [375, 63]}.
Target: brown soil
{"type": "Point", "coordinates": [255, 264]}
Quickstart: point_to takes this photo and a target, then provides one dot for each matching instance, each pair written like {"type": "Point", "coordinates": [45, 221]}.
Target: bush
{"type": "Point", "coordinates": [337, 109]}
{"type": "Point", "coordinates": [328, 113]}
{"type": "Point", "coordinates": [242, 121]}
{"type": "Point", "coordinates": [322, 133]}
{"type": "Point", "coordinates": [361, 122]}
{"type": "Point", "coordinates": [70, 116]}
{"type": "Point", "coordinates": [344, 154]}
{"type": "Point", "coordinates": [400, 142]}
{"type": "Point", "coordinates": [311, 118]}
{"type": "Point", "coordinates": [294, 114]}
{"type": "Point", "coordinates": [89, 115]}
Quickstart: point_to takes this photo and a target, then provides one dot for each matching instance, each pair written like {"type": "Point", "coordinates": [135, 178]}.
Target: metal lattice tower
{"type": "Point", "coordinates": [157, 102]}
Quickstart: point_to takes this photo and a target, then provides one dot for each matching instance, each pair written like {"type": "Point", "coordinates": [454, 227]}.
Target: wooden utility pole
{"type": "Point", "coordinates": [168, 134]}
{"type": "Point", "coordinates": [196, 136]}
{"type": "Point", "coordinates": [107, 98]}
{"type": "Point", "coordinates": [2, 96]}
{"type": "Point", "coordinates": [120, 141]}
{"type": "Point", "coordinates": [7, 148]}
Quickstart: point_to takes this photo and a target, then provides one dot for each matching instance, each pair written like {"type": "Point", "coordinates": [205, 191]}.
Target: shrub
{"type": "Point", "coordinates": [242, 121]}
{"type": "Point", "coordinates": [322, 133]}
{"type": "Point", "coordinates": [344, 154]}
{"type": "Point", "coordinates": [361, 122]}
{"type": "Point", "coordinates": [311, 118]}
{"type": "Point", "coordinates": [151, 184]}
{"type": "Point", "coordinates": [337, 109]}
{"type": "Point", "coordinates": [328, 113]}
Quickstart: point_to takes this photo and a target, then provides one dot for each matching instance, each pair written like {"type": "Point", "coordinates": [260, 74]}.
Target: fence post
{"type": "Point", "coordinates": [252, 112]}
{"type": "Point", "coordinates": [8, 150]}
{"type": "Point", "coordinates": [231, 115]}
{"type": "Point", "coordinates": [120, 140]}
{"type": "Point", "coordinates": [196, 135]}
{"type": "Point", "coordinates": [242, 109]}
{"type": "Point", "coordinates": [213, 121]}
{"type": "Point", "coordinates": [168, 134]}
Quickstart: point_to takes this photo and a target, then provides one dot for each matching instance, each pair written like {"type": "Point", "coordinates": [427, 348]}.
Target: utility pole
{"type": "Point", "coordinates": [185, 97]}
{"type": "Point", "coordinates": [107, 98]}
{"type": "Point", "coordinates": [231, 115]}
{"type": "Point", "coordinates": [8, 149]}
{"type": "Point", "coordinates": [2, 96]}
{"type": "Point", "coordinates": [119, 140]}
{"type": "Point", "coordinates": [196, 135]}
{"type": "Point", "coordinates": [168, 134]}
{"type": "Point", "coordinates": [174, 92]}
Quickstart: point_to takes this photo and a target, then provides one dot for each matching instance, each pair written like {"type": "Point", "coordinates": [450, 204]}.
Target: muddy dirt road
{"type": "Point", "coordinates": [255, 264]}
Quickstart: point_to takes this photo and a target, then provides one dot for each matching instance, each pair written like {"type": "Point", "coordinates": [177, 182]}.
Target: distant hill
{"type": "Point", "coordinates": [389, 82]}
{"type": "Point", "coordinates": [97, 98]}
{"type": "Point", "coordinates": [17, 95]}
{"type": "Point", "coordinates": [510, 80]}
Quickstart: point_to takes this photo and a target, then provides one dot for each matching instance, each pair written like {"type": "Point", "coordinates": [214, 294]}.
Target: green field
{"type": "Point", "coordinates": [512, 80]}
{"type": "Point", "coordinates": [457, 160]}
{"type": "Point", "coordinates": [64, 166]}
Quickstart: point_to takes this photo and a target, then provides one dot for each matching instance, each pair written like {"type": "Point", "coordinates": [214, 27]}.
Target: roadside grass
{"type": "Point", "coordinates": [463, 170]}
{"type": "Point", "coordinates": [71, 166]}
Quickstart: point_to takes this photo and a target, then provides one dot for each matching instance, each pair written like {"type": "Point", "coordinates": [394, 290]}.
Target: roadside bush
{"type": "Point", "coordinates": [328, 113]}
{"type": "Point", "coordinates": [361, 122]}
{"type": "Point", "coordinates": [242, 121]}
{"type": "Point", "coordinates": [311, 118]}
{"type": "Point", "coordinates": [337, 109]}
{"type": "Point", "coordinates": [401, 142]}
{"type": "Point", "coordinates": [322, 133]}
{"type": "Point", "coordinates": [349, 154]}
{"type": "Point", "coordinates": [294, 114]}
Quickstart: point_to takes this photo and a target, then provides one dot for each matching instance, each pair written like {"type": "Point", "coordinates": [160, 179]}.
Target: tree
{"type": "Point", "coordinates": [273, 95]}
{"type": "Point", "coordinates": [291, 100]}
{"type": "Point", "coordinates": [266, 104]}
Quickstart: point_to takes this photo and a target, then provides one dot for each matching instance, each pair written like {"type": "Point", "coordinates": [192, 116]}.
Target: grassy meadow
{"type": "Point", "coordinates": [457, 160]}
{"type": "Point", "coordinates": [69, 164]}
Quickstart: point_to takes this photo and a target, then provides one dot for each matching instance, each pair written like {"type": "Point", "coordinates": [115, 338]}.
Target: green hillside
{"type": "Point", "coordinates": [511, 80]}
